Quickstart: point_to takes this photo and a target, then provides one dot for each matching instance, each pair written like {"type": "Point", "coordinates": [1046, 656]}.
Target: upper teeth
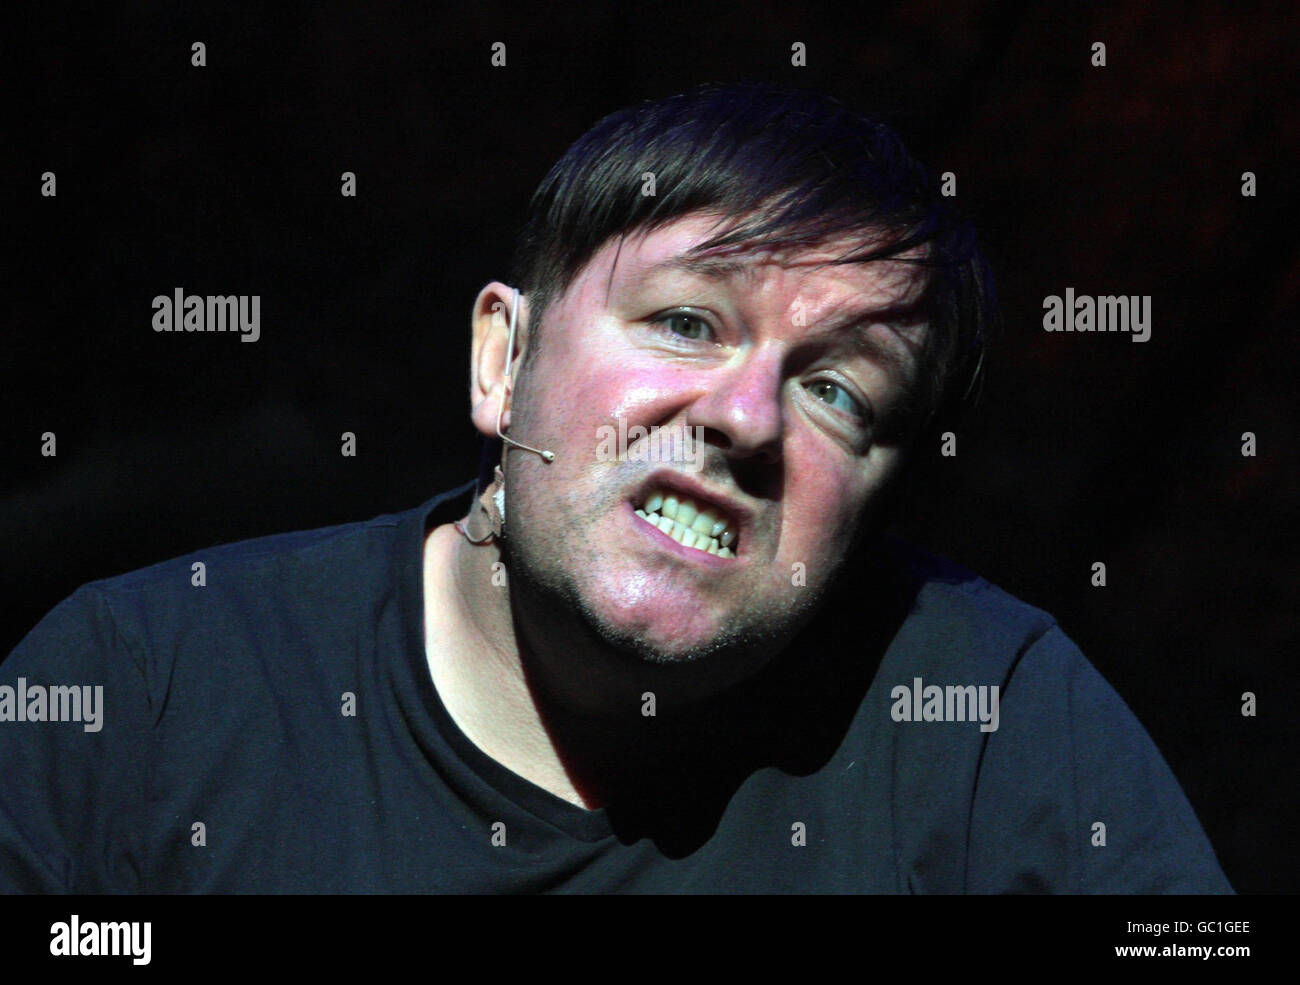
{"type": "Point", "coordinates": [686, 522]}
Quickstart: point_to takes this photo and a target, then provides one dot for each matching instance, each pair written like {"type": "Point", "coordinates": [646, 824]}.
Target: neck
{"type": "Point", "coordinates": [487, 662]}
{"type": "Point", "coordinates": [667, 776]}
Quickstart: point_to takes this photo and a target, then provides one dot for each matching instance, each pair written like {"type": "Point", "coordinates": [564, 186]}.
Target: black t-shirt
{"type": "Point", "coordinates": [272, 726]}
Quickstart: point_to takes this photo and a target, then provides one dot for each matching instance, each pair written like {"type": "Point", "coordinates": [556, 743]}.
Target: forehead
{"type": "Point", "coordinates": [882, 301]}
{"type": "Point", "coordinates": [664, 256]}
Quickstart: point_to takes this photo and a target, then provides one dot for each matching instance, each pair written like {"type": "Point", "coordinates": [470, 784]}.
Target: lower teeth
{"type": "Point", "coordinates": [685, 536]}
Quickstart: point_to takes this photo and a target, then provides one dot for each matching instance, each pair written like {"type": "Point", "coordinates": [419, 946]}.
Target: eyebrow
{"type": "Point", "coordinates": [904, 370]}
{"type": "Point", "coordinates": [713, 267]}
{"type": "Point", "coordinates": [853, 331]}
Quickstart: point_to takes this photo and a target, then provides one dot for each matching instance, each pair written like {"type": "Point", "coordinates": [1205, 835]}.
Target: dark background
{"type": "Point", "coordinates": [1117, 180]}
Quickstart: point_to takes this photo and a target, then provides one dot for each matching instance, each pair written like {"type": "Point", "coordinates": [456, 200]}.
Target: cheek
{"type": "Point", "coordinates": [598, 376]}
{"type": "Point", "coordinates": [586, 398]}
{"type": "Point", "coordinates": [827, 496]}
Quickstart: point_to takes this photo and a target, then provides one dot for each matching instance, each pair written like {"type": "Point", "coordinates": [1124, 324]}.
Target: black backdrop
{"type": "Point", "coordinates": [1122, 179]}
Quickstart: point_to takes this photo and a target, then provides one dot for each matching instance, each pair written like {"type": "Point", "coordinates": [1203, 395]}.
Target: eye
{"type": "Point", "coordinates": [685, 325]}
{"type": "Point", "coordinates": [833, 395]}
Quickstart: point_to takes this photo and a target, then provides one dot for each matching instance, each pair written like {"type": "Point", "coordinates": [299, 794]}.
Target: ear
{"type": "Point", "coordinates": [490, 327]}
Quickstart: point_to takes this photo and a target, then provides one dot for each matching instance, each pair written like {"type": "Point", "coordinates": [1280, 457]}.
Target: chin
{"type": "Point", "coordinates": [656, 632]}
{"type": "Point", "coordinates": [713, 650]}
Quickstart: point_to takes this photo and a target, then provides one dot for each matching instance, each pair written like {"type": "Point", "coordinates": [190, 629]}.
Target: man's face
{"type": "Point", "coordinates": [787, 367]}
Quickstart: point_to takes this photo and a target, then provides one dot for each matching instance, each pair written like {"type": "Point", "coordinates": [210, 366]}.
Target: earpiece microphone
{"type": "Point", "coordinates": [547, 456]}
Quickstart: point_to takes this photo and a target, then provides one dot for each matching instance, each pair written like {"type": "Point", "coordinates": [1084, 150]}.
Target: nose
{"type": "Point", "coordinates": [741, 411]}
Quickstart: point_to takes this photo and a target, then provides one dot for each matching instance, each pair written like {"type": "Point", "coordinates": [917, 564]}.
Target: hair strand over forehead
{"type": "Point", "coordinates": [785, 169]}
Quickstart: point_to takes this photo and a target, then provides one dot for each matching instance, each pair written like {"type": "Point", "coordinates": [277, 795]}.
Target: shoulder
{"type": "Point", "coordinates": [259, 587]}
{"type": "Point", "coordinates": [255, 558]}
{"type": "Point", "coordinates": [956, 621]}
{"type": "Point", "coordinates": [344, 558]}
{"type": "Point", "coordinates": [964, 628]}
{"type": "Point", "coordinates": [290, 569]}
{"type": "Point", "coordinates": [1067, 790]}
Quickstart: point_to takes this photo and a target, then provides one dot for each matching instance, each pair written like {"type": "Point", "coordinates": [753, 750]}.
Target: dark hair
{"type": "Point", "coordinates": [793, 169]}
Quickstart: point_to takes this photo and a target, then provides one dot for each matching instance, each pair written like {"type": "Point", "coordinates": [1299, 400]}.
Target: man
{"type": "Point", "coordinates": [662, 644]}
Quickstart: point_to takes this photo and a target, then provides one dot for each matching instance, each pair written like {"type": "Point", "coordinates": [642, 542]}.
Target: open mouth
{"type": "Point", "coordinates": [695, 525]}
